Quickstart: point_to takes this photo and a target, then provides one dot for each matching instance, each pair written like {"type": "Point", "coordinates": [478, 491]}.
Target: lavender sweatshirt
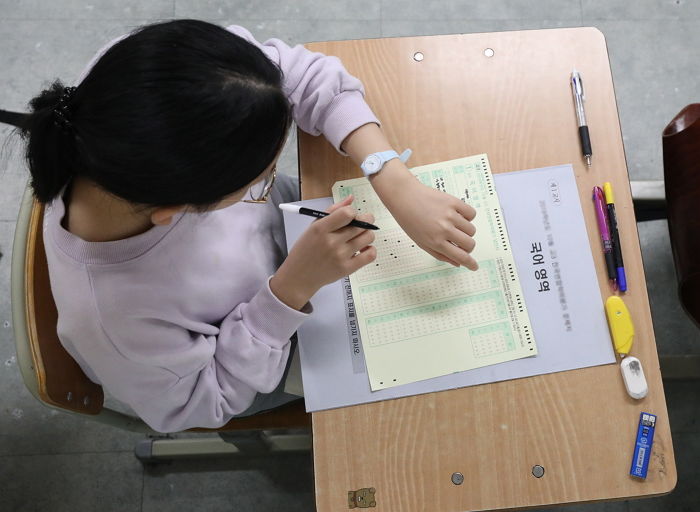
{"type": "Point", "coordinates": [179, 322]}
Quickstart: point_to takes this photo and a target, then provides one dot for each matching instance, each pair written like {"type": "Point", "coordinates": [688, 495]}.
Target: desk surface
{"type": "Point", "coordinates": [580, 425]}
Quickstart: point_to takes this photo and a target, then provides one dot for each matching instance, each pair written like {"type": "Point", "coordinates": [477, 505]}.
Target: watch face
{"type": "Point", "coordinates": [373, 163]}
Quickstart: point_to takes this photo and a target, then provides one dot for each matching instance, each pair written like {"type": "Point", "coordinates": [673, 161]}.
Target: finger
{"type": "Point", "coordinates": [440, 257]}
{"type": "Point", "coordinates": [367, 255]}
{"type": "Point", "coordinates": [360, 241]}
{"type": "Point", "coordinates": [366, 217]}
{"type": "Point", "coordinates": [466, 211]}
{"type": "Point", "coordinates": [459, 255]}
{"type": "Point", "coordinates": [347, 233]}
{"type": "Point", "coordinates": [338, 218]}
{"type": "Point", "coordinates": [344, 202]}
{"type": "Point", "coordinates": [464, 225]}
{"type": "Point", "coordinates": [462, 240]}
{"type": "Point", "coordinates": [350, 232]}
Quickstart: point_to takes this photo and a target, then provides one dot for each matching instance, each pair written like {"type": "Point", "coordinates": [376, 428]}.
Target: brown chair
{"type": "Point", "coordinates": [680, 204]}
{"type": "Point", "coordinates": [681, 146]}
{"type": "Point", "coordinates": [55, 379]}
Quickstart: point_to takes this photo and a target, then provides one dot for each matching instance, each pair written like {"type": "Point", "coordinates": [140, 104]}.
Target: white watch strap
{"type": "Point", "coordinates": [388, 155]}
{"type": "Point", "coordinates": [385, 156]}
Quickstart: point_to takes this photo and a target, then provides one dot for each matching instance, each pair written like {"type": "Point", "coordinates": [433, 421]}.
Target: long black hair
{"type": "Point", "coordinates": [181, 112]}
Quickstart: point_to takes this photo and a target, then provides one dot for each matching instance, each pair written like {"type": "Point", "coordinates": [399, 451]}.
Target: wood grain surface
{"type": "Point", "coordinates": [580, 425]}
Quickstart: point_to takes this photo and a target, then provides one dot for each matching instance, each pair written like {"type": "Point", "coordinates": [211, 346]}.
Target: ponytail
{"type": "Point", "coordinates": [178, 113]}
{"type": "Point", "coordinates": [51, 142]}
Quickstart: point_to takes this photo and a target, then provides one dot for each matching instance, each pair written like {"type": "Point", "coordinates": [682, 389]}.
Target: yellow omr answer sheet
{"type": "Point", "coordinates": [421, 318]}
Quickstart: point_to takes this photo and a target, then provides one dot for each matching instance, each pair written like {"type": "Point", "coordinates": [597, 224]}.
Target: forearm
{"type": "Point", "coordinates": [285, 288]}
{"type": "Point", "coordinates": [435, 228]}
{"type": "Point", "coordinates": [368, 139]}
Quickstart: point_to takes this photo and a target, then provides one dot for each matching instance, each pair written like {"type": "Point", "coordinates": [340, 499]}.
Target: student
{"type": "Point", "coordinates": [164, 242]}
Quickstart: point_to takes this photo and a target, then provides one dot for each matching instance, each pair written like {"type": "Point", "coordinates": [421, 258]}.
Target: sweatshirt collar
{"type": "Point", "coordinates": [116, 251]}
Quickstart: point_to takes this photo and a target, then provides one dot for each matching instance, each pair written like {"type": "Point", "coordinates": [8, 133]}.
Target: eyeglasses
{"type": "Point", "coordinates": [267, 183]}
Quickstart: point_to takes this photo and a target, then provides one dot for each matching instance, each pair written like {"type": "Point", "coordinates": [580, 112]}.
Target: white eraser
{"type": "Point", "coordinates": [633, 376]}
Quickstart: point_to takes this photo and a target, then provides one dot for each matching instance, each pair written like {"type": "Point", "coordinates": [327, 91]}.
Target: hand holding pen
{"type": "Point", "coordinates": [329, 249]}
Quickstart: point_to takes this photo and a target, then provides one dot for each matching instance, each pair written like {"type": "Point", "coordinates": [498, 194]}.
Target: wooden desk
{"type": "Point", "coordinates": [580, 425]}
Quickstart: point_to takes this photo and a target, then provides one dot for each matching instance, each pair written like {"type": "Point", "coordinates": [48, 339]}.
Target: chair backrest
{"type": "Point", "coordinates": [60, 380]}
{"type": "Point", "coordinates": [681, 149]}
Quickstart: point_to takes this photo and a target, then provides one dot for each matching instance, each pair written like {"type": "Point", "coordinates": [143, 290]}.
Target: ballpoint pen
{"type": "Point", "coordinates": [615, 234]}
{"type": "Point", "coordinates": [599, 202]}
{"type": "Point", "coordinates": [294, 208]}
{"type": "Point", "coordinates": [579, 98]}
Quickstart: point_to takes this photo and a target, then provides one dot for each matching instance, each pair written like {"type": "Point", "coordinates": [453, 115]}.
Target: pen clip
{"type": "Point", "coordinates": [577, 84]}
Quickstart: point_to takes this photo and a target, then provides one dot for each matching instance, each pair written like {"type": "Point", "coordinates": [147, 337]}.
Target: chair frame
{"type": "Point", "coordinates": [63, 386]}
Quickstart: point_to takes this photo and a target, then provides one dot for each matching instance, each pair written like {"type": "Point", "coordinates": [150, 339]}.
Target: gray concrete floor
{"type": "Point", "coordinates": [52, 461]}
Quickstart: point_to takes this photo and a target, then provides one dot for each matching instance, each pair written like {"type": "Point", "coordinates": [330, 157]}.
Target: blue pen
{"type": "Point", "coordinates": [617, 249]}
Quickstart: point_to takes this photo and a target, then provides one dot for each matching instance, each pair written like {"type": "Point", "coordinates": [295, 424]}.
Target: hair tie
{"type": "Point", "coordinates": [61, 112]}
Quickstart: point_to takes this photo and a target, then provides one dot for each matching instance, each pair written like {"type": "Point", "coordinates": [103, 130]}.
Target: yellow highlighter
{"type": "Point", "coordinates": [620, 323]}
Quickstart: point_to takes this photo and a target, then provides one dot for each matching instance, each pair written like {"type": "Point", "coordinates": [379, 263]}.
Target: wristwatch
{"type": "Point", "coordinates": [375, 162]}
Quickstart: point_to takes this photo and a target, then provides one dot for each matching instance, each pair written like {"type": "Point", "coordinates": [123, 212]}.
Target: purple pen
{"type": "Point", "coordinates": [600, 211]}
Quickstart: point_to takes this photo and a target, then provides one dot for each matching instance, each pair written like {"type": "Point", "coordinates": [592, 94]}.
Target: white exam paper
{"type": "Point", "coordinates": [540, 207]}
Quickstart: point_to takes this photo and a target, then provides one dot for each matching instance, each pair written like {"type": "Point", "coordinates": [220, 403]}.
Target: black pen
{"type": "Point", "coordinates": [295, 208]}
{"type": "Point", "coordinates": [579, 98]}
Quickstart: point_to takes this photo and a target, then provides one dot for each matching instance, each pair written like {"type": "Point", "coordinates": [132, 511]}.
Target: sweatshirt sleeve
{"type": "Point", "coordinates": [325, 98]}
{"type": "Point", "coordinates": [201, 376]}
